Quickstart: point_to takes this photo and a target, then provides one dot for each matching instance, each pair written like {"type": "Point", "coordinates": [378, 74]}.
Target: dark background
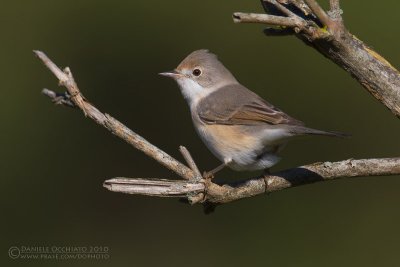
{"type": "Point", "coordinates": [54, 161]}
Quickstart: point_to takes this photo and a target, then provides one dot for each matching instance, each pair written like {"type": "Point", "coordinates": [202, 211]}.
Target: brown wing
{"type": "Point", "coordinates": [236, 105]}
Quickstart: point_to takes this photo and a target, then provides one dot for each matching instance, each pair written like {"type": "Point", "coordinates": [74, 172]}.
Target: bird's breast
{"type": "Point", "coordinates": [228, 141]}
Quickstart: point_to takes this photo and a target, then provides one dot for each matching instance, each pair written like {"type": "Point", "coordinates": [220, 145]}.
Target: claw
{"type": "Point", "coordinates": [208, 175]}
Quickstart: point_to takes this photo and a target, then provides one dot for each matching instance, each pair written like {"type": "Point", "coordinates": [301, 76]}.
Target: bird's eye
{"type": "Point", "coordinates": [196, 72]}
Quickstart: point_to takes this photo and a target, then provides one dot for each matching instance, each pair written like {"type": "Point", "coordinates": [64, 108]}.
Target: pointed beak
{"type": "Point", "coordinates": [172, 74]}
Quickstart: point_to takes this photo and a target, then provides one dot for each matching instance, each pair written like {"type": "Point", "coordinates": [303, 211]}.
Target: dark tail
{"type": "Point", "coordinates": [309, 131]}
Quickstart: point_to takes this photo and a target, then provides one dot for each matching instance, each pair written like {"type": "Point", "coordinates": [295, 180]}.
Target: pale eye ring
{"type": "Point", "coordinates": [196, 72]}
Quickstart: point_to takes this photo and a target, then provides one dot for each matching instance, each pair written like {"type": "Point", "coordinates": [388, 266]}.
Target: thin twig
{"type": "Point", "coordinates": [239, 17]}
{"type": "Point", "coordinates": [301, 6]}
{"type": "Point", "coordinates": [59, 98]}
{"type": "Point", "coordinates": [154, 187]}
{"type": "Point", "coordinates": [335, 12]}
{"type": "Point", "coordinates": [282, 8]}
{"type": "Point", "coordinates": [296, 23]}
{"type": "Point", "coordinates": [319, 12]}
{"type": "Point", "coordinates": [113, 125]}
{"type": "Point", "coordinates": [191, 163]}
{"type": "Point", "coordinates": [334, 4]}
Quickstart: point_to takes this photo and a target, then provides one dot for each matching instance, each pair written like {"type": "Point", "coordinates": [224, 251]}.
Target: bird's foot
{"type": "Point", "coordinates": [208, 175]}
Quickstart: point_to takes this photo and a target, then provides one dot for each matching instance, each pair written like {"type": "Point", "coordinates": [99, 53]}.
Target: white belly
{"type": "Point", "coordinates": [230, 144]}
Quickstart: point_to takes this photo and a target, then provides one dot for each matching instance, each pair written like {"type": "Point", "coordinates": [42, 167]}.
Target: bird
{"type": "Point", "coordinates": [242, 130]}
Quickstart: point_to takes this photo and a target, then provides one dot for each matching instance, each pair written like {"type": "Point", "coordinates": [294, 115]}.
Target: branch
{"type": "Point", "coordinates": [195, 188]}
{"type": "Point", "coordinates": [154, 187]}
{"type": "Point", "coordinates": [307, 21]}
{"type": "Point", "coordinates": [219, 194]}
{"type": "Point", "coordinates": [75, 97]}
{"type": "Point", "coordinates": [334, 4]}
{"type": "Point", "coordinates": [319, 12]}
{"type": "Point", "coordinates": [335, 12]}
{"type": "Point", "coordinates": [239, 17]}
{"type": "Point", "coordinates": [59, 98]}
{"type": "Point", "coordinates": [189, 160]}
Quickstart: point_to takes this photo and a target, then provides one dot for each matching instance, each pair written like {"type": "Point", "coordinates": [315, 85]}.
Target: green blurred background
{"type": "Point", "coordinates": [54, 160]}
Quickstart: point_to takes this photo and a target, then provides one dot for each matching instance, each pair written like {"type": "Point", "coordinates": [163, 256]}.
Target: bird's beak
{"type": "Point", "coordinates": [172, 74]}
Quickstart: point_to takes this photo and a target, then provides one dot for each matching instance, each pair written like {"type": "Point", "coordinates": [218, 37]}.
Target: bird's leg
{"type": "Point", "coordinates": [210, 174]}
{"type": "Point", "coordinates": [267, 172]}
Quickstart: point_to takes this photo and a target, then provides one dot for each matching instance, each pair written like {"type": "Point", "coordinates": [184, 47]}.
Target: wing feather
{"type": "Point", "coordinates": [236, 105]}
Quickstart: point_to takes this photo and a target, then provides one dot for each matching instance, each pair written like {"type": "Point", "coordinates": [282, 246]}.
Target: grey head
{"type": "Point", "coordinates": [200, 74]}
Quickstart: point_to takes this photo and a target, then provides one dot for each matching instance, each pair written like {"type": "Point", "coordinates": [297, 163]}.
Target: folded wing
{"type": "Point", "coordinates": [236, 105]}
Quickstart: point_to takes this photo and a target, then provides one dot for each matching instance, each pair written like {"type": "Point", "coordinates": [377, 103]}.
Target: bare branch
{"type": "Point", "coordinates": [335, 12]}
{"type": "Point", "coordinates": [61, 76]}
{"type": "Point", "coordinates": [219, 194]}
{"type": "Point", "coordinates": [110, 123]}
{"type": "Point", "coordinates": [370, 69]}
{"type": "Point", "coordinates": [191, 163]}
{"type": "Point", "coordinates": [283, 23]}
{"type": "Point", "coordinates": [319, 12]}
{"type": "Point", "coordinates": [334, 4]}
{"type": "Point", "coordinates": [154, 187]}
{"type": "Point", "coordinates": [239, 17]}
{"type": "Point", "coordinates": [282, 8]}
{"type": "Point", "coordinates": [59, 98]}
{"type": "Point", "coordinates": [299, 4]}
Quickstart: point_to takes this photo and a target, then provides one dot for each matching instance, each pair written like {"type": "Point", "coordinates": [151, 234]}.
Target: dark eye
{"type": "Point", "coordinates": [196, 72]}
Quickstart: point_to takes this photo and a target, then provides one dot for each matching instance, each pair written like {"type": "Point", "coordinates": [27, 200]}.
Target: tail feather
{"type": "Point", "coordinates": [310, 131]}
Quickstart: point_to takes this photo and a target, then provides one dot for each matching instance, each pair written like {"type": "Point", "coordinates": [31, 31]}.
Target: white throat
{"type": "Point", "coordinates": [192, 91]}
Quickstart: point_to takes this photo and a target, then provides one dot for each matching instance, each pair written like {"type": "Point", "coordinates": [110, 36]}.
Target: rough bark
{"type": "Point", "coordinates": [327, 33]}
{"type": "Point", "coordinates": [219, 194]}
